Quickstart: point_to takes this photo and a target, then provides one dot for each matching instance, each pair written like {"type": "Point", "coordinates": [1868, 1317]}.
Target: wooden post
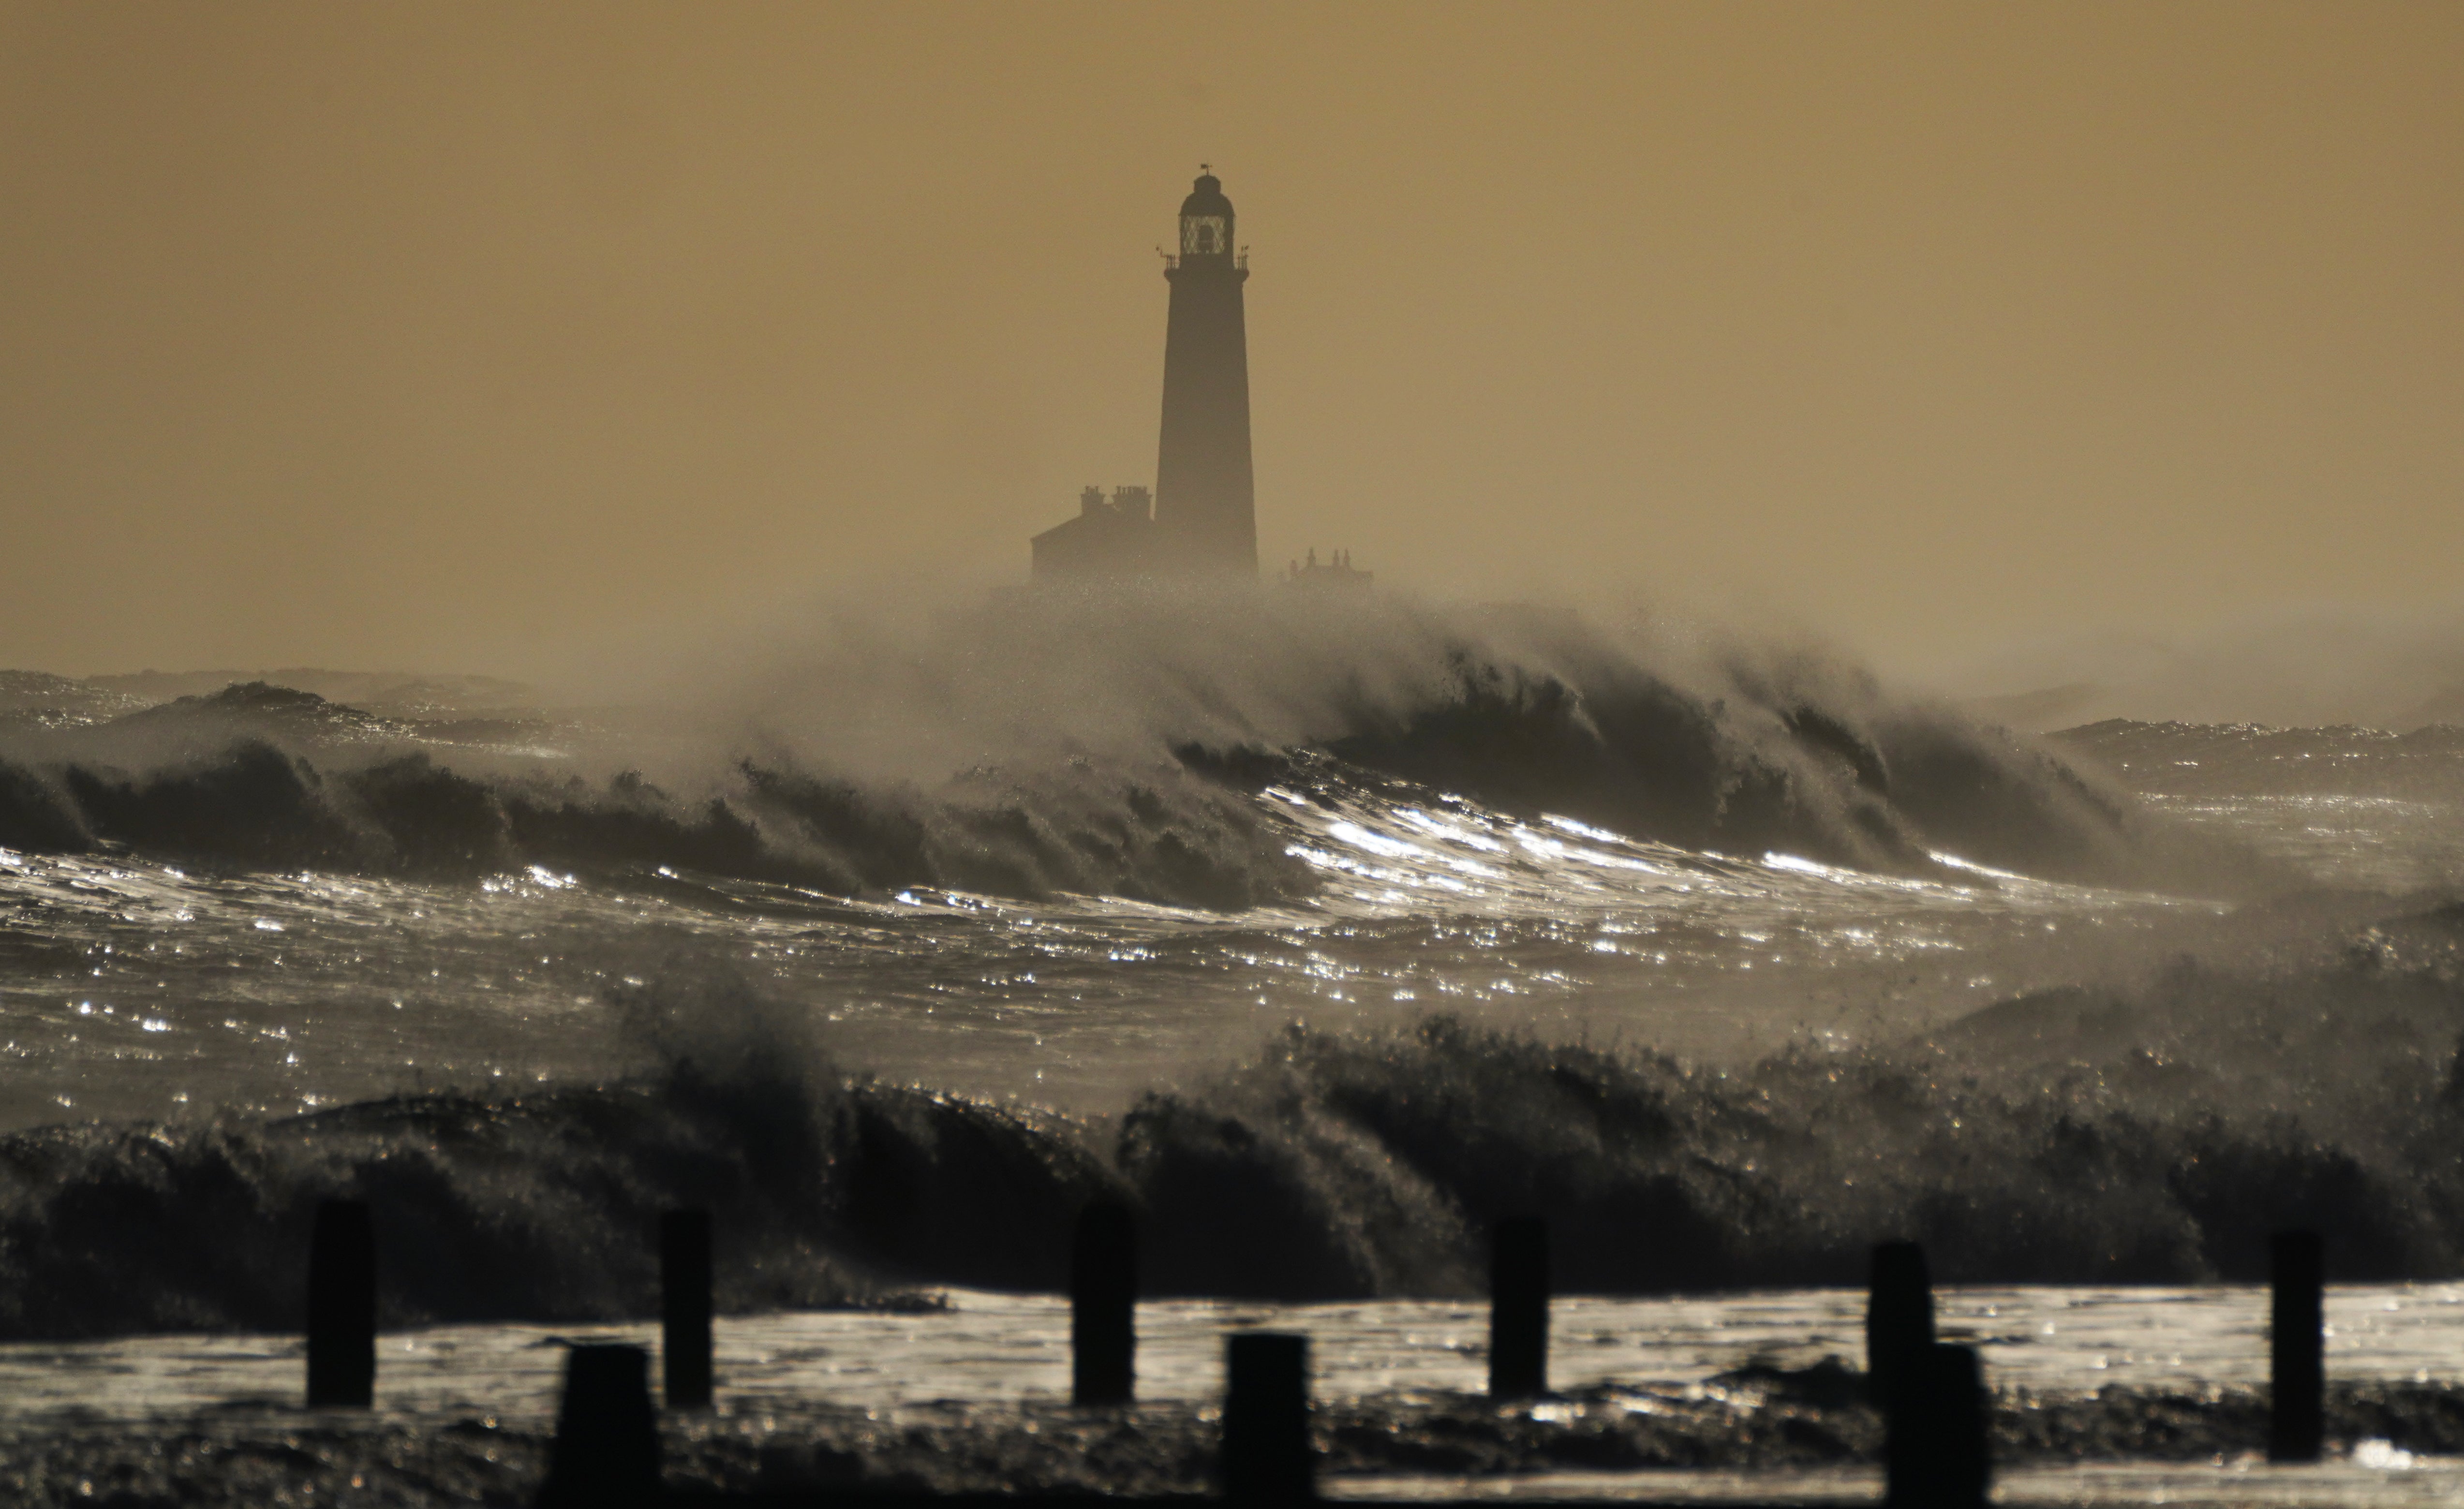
{"type": "Point", "coordinates": [2296, 1345]}
{"type": "Point", "coordinates": [1518, 1308]}
{"type": "Point", "coordinates": [342, 1308]}
{"type": "Point", "coordinates": [1103, 1306]}
{"type": "Point", "coordinates": [1899, 1315]}
{"type": "Point", "coordinates": [684, 1309]}
{"type": "Point", "coordinates": [1937, 1455]}
{"type": "Point", "coordinates": [1267, 1456]}
{"type": "Point", "coordinates": [606, 1449]}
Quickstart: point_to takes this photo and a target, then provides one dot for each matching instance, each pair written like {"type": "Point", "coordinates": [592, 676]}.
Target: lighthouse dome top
{"type": "Point", "coordinates": [1207, 198]}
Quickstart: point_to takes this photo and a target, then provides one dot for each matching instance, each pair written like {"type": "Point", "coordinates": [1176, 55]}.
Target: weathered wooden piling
{"type": "Point", "coordinates": [1266, 1456]}
{"type": "Point", "coordinates": [342, 1308]}
{"type": "Point", "coordinates": [1899, 1315]}
{"type": "Point", "coordinates": [1936, 1454]}
{"type": "Point", "coordinates": [606, 1449]}
{"type": "Point", "coordinates": [1103, 1306]}
{"type": "Point", "coordinates": [2296, 1345]}
{"type": "Point", "coordinates": [1518, 1308]}
{"type": "Point", "coordinates": [684, 1309]}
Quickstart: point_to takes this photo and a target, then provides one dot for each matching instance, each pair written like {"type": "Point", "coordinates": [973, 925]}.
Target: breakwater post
{"type": "Point", "coordinates": [2296, 1345]}
{"type": "Point", "coordinates": [1899, 1317]}
{"type": "Point", "coordinates": [1518, 1308]}
{"type": "Point", "coordinates": [1103, 1306]}
{"type": "Point", "coordinates": [606, 1447]}
{"type": "Point", "coordinates": [342, 1308]}
{"type": "Point", "coordinates": [684, 1309]}
{"type": "Point", "coordinates": [1267, 1456]}
{"type": "Point", "coordinates": [1937, 1455]}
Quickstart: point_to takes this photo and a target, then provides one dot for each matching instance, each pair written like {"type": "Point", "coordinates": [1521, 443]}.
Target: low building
{"type": "Point", "coordinates": [1111, 539]}
{"type": "Point", "coordinates": [1335, 573]}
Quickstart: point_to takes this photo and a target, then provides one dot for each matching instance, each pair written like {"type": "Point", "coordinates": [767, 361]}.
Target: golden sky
{"type": "Point", "coordinates": [443, 335]}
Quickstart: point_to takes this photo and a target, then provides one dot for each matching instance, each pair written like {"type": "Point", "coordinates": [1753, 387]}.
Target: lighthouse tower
{"type": "Point", "coordinates": [1205, 505]}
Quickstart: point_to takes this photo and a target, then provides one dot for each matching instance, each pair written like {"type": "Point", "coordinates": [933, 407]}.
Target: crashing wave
{"type": "Point", "coordinates": [2153, 1132]}
{"type": "Point", "coordinates": [1109, 750]}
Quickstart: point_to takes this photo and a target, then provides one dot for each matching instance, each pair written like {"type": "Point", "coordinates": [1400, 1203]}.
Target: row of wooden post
{"type": "Point", "coordinates": [1931, 1393]}
{"type": "Point", "coordinates": [1104, 1297]}
{"type": "Point", "coordinates": [343, 1308]}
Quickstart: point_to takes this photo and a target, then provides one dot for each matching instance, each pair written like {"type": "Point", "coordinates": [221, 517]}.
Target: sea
{"type": "Point", "coordinates": [1324, 932]}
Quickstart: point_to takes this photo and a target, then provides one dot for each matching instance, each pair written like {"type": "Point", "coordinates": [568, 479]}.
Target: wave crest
{"type": "Point", "coordinates": [2151, 1133]}
{"type": "Point", "coordinates": [1033, 748]}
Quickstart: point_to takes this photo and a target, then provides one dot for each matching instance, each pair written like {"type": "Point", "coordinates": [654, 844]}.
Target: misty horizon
{"type": "Point", "coordinates": [450, 341]}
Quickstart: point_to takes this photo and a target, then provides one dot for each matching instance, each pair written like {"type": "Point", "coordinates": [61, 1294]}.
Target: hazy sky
{"type": "Point", "coordinates": [442, 335]}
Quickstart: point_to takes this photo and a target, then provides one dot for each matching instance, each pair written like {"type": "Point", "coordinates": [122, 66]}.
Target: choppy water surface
{"type": "Point", "coordinates": [2382, 843]}
{"type": "Point", "coordinates": [139, 988]}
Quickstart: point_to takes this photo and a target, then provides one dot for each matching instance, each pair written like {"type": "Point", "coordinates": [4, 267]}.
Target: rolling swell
{"type": "Point", "coordinates": [2154, 1132]}
{"type": "Point", "coordinates": [255, 804]}
{"type": "Point", "coordinates": [1034, 751]}
{"type": "Point", "coordinates": [1850, 780]}
{"type": "Point", "coordinates": [542, 1205]}
{"type": "Point", "coordinates": [2151, 1133]}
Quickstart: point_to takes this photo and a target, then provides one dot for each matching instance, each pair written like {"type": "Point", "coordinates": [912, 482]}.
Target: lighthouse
{"type": "Point", "coordinates": [1205, 503]}
{"type": "Point", "coordinates": [1200, 522]}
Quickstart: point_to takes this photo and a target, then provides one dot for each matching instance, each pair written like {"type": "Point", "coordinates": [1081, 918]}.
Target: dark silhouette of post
{"type": "Point", "coordinates": [606, 1449]}
{"type": "Point", "coordinates": [1899, 1315]}
{"type": "Point", "coordinates": [1518, 1308]}
{"type": "Point", "coordinates": [2296, 1343]}
{"type": "Point", "coordinates": [1267, 1456]}
{"type": "Point", "coordinates": [1103, 1306]}
{"type": "Point", "coordinates": [1936, 1455]}
{"type": "Point", "coordinates": [342, 1308]}
{"type": "Point", "coordinates": [684, 1309]}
